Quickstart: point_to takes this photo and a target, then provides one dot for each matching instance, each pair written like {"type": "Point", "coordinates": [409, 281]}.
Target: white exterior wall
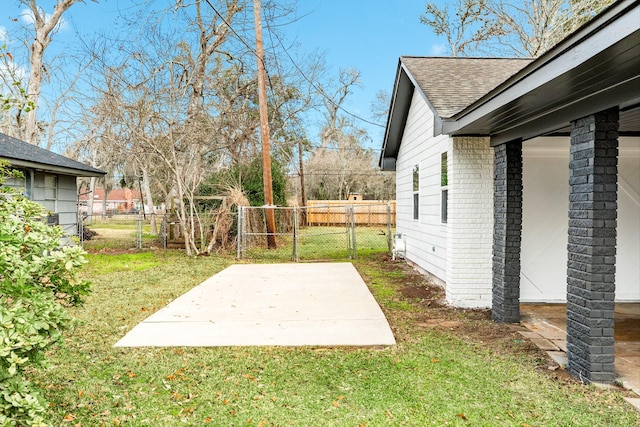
{"type": "Point", "coordinates": [67, 204]}
{"type": "Point", "coordinates": [545, 220]}
{"type": "Point", "coordinates": [426, 237]}
{"type": "Point", "coordinates": [470, 223]}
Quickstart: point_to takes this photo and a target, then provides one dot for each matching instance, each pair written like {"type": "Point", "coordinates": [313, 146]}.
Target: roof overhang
{"type": "Point", "coordinates": [596, 68]}
{"type": "Point", "coordinates": [54, 169]}
{"type": "Point", "coordinates": [398, 112]}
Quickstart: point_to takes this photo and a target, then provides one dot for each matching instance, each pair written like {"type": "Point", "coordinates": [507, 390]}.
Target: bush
{"type": "Point", "coordinates": [38, 277]}
{"type": "Point", "coordinates": [249, 176]}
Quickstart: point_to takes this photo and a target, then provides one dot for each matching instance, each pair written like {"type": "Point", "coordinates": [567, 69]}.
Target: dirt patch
{"type": "Point", "coordinates": [473, 325]}
{"type": "Point", "coordinates": [110, 251]}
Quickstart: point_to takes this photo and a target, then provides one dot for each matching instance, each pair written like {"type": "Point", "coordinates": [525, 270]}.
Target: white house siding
{"type": "Point", "coordinates": [470, 222]}
{"type": "Point", "coordinates": [426, 238]}
{"type": "Point", "coordinates": [545, 221]}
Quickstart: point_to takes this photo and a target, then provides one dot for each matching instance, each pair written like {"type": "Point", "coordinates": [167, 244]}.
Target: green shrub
{"type": "Point", "coordinates": [38, 277]}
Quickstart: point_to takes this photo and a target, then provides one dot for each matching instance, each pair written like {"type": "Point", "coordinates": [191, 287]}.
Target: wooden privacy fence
{"type": "Point", "coordinates": [366, 212]}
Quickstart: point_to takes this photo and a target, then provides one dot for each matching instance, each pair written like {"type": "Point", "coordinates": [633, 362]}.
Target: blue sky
{"type": "Point", "coordinates": [368, 35]}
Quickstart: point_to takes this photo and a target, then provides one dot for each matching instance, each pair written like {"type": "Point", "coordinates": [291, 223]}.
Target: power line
{"type": "Point", "coordinates": [319, 89]}
{"type": "Point", "coordinates": [381, 174]}
{"type": "Point", "coordinates": [251, 49]}
{"type": "Point", "coordinates": [319, 147]}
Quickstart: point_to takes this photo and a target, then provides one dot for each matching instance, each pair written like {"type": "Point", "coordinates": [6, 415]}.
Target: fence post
{"type": "Point", "coordinates": [347, 229]}
{"type": "Point", "coordinates": [240, 233]}
{"type": "Point", "coordinates": [139, 232]}
{"type": "Point", "coordinates": [353, 232]}
{"type": "Point", "coordinates": [294, 253]}
{"type": "Point", "coordinates": [389, 240]}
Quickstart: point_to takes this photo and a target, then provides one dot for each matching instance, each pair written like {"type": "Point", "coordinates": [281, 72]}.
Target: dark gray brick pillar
{"type": "Point", "coordinates": [507, 230]}
{"type": "Point", "coordinates": [593, 186]}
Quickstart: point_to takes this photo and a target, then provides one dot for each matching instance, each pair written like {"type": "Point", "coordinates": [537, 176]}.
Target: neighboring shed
{"type": "Point", "coordinates": [519, 180]}
{"type": "Point", "coordinates": [49, 179]}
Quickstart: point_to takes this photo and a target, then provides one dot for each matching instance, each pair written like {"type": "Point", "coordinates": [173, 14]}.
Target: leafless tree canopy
{"type": "Point", "coordinates": [172, 99]}
{"type": "Point", "coordinates": [508, 27]}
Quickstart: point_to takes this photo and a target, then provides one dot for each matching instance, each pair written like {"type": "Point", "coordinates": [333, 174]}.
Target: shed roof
{"type": "Point", "coordinates": [20, 153]}
{"type": "Point", "coordinates": [452, 84]}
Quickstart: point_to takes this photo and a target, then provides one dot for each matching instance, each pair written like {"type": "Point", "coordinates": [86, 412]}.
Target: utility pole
{"type": "Point", "coordinates": [264, 130]}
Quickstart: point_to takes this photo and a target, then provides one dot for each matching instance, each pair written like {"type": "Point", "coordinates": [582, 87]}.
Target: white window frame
{"type": "Point", "coordinates": [444, 187]}
{"type": "Point", "coordinates": [50, 188]}
{"type": "Point", "coordinates": [415, 183]}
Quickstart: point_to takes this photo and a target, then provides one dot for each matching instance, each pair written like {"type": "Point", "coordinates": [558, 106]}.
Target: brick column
{"type": "Point", "coordinates": [469, 222]}
{"type": "Point", "coordinates": [507, 232]}
{"type": "Point", "coordinates": [593, 185]}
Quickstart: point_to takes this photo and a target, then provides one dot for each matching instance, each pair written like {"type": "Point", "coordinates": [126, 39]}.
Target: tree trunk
{"type": "Point", "coordinates": [148, 200]}
{"type": "Point", "coordinates": [92, 189]}
{"type": "Point", "coordinates": [33, 90]}
{"type": "Point", "coordinates": [44, 24]}
{"type": "Point", "coordinates": [104, 202]}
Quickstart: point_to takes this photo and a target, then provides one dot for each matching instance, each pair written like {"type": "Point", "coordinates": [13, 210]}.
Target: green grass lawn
{"type": "Point", "coordinates": [119, 234]}
{"type": "Point", "coordinates": [323, 243]}
{"type": "Point", "coordinates": [313, 243]}
{"type": "Point", "coordinates": [433, 376]}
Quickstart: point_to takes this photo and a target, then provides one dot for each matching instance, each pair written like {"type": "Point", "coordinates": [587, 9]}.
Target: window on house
{"type": "Point", "coordinates": [50, 187]}
{"type": "Point", "coordinates": [444, 183]}
{"type": "Point", "coordinates": [23, 184]}
{"type": "Point", "coordinates": [416, 192]}
{"type": "Point", "coordinates": [17, 183]}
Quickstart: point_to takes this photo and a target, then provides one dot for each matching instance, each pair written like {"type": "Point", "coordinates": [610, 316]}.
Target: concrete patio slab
{"type": "Point", "coordinates": [323, 304]}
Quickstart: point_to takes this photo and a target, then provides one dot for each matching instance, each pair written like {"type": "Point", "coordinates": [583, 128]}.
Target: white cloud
{"type": "Point", "coordinates": [27, 17]}
{"type": "Point", "coordinates": [438, 50]}
{"type": "Point", "coordinates": [4, 34]}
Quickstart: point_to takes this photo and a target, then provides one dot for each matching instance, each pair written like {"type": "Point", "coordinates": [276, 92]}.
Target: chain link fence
{"type": "Point", "coordinates": [321, 232]}
{"type": "Point", "coordinates": [122, 231]}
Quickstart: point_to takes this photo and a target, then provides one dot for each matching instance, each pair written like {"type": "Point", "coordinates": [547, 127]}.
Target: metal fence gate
{"type": "Point", "coordinates": [340, 234]}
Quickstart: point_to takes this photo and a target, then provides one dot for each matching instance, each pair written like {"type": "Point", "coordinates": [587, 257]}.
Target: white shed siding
{"type": "Point", "coordinates": [426, 238]}
{"type": "Point", "coordinates": [67, 203]}
{"type": "Point", "coordinates": [470, 223]}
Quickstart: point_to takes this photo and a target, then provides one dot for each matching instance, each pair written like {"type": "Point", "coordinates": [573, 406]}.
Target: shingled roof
{"type": "Point", "coordinates": [452, 84]}
{"type": "Point", "coordinates": [19, 153]}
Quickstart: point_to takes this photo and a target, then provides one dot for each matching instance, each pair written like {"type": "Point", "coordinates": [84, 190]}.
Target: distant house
{"type": "Point", "coordinates": [518, 180]}
{"type": "Point", "coordinates": [49, 179]}
{"type": "Point", "coordinates": [118, 201]}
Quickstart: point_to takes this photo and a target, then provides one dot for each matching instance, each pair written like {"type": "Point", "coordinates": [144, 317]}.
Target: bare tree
{"type": "Point", "coordinates": [470, 26]}
{"type": "Point", "coordinates": [341, 164]}
{"type": "Point", "coordinates": [380, 106]}
{"type": "Point", "coordinates": [153, 113]}
{"type": "Point", "coordinates": [14, 102]}
{"type": "Point", "coordinates": [509, 27]}
{"type": "Point", "coordinates": [44, 26]}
